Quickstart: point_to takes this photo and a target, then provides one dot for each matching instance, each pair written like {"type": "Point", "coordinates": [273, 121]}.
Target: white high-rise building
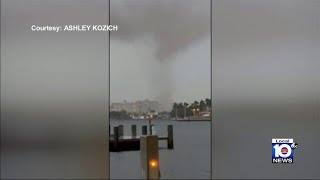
{"type": "Point", "coordinates": [137, 107]}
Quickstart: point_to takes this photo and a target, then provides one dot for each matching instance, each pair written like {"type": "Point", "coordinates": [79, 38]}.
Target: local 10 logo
{"type": "Point", "coordinates": [283, 150]}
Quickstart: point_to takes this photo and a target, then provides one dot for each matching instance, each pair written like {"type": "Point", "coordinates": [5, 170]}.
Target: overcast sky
{"type": "Point", "coordinates": [266, 52]}
{"type": "Point", "coordinates": [161, 51]}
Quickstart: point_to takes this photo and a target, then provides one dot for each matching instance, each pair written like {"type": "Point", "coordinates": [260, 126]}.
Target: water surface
{"type": "Point", "coordinates": [189, 159]}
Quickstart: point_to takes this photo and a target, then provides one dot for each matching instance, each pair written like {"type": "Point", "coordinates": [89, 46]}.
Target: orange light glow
{"type": "Point", "coordinates": [153, 163]}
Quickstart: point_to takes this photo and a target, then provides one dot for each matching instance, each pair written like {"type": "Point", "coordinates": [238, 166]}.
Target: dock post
{"type": "Point", "coordinates": [170, 137]}
{"type": "Point", "coordinates": [144, 130]}
{"type": "Point", "coordinates": [115, 136]}
{"type": "Point", "coordinates": [133, 130]}
{"type": "Point", "coordinates": [150, 128]}
{"type": "Point", "coordinates": [149, 157]}
{"type": "Point", "coordinates": [120, 131]}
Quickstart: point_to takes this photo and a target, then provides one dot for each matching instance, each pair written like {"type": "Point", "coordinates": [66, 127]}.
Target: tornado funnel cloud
{"type": "Point", "coordinates": [170, 25]}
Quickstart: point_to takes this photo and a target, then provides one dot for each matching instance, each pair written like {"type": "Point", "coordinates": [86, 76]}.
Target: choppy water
{"type": "Point", "coordinates": [189, 159]}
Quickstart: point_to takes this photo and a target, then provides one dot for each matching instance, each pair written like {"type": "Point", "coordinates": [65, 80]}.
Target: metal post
{"type": "Point", "coordinates": [149, 154]}
{"type": "Point", "coordinates": [170, 137]}
{"type": "Point", "coordinates": [133, 130]}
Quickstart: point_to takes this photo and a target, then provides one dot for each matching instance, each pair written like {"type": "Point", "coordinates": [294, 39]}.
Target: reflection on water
{"type": "Point", "coordinates": [190, 157]}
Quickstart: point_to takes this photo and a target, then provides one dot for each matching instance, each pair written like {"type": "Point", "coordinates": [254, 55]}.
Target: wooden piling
{"type": "Point", "coordinates": [144, 130]}
{"type": "Point", "coordinates": [170, 137]}
{"type": "Point", "coordinates": [133, 130]}
{"type": "Point", "coordinates": [116, 136]}
{"type": "Point", "coordinates": [120, 131]}
{"type": "Point", "coordinates": [149, 157]}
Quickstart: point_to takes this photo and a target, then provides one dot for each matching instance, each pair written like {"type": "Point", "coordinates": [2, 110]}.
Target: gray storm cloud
{"type": "Point", "coordinates": [171, 26]}
{"type": "Point", "coordinates": [265, 52]}
{"type": "Point", "coordinates": [174, 24]}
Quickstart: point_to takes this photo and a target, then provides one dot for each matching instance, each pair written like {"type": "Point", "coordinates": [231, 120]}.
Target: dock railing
{"type": "Point", "coordinates": [119, 142]}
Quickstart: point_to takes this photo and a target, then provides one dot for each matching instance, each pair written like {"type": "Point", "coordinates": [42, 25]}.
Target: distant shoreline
{"type": "Point", "coordinates": [193, 120]}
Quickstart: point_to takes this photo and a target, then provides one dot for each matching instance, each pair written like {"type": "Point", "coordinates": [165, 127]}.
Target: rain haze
{"type": "Point", "coordinates": [265, 84]}
{"type": "Point", "coordinates": [54, 89]}
{"type": "Point", "coordinates": [161, 51]}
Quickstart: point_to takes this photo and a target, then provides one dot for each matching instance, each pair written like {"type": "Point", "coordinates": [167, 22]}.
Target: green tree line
{"type": "Point", "coordinates": [184, 109]}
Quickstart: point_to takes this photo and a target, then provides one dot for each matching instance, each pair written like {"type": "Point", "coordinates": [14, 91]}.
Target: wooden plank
{"type": "Point", "coordinates": [125, 146]}
{"type": "Point", "coordinates": [163, 138]}
{"type": "Point", "coordinates": [137, 137]}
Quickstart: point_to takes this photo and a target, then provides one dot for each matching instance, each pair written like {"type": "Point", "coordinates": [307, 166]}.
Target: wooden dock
{"type": "Point", "coordinates": [118, 142]}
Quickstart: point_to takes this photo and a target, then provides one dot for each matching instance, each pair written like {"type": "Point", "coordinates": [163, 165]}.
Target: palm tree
{"type": "Point", "coordinates": [180, 110]}
{"type": "Point", "coordinates": [185, 109]}
{"type": "Point", "coordinates": [202, 106]}
{"type": "Point", "coordinates": [192, 108]}
{"type": "Point", "coordinates": [174, 110]}
{"type": "Point", "coordinates": [196, 105]}
{"type": "Point", "coordinates": [208, 102]}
